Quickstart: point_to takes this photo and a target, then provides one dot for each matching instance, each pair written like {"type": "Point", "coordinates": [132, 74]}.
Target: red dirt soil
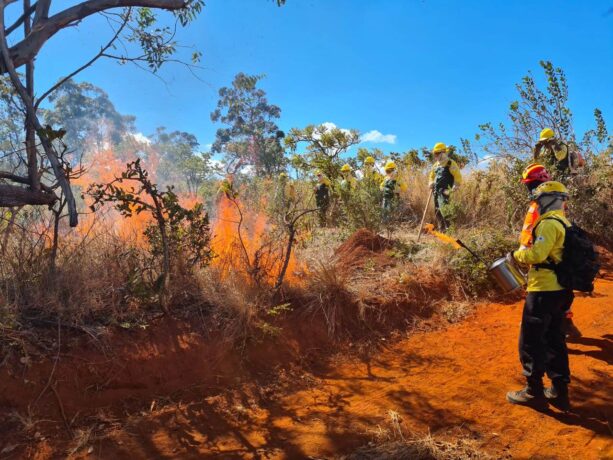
{"type": "Point", "coordinates": [361, 248]}
{"type": "Point", "coordinates": [449, 382]}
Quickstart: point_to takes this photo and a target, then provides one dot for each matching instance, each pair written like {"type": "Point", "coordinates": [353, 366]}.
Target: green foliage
{"type": "Point", "coordinates": [157, 42]}
{"type": "Point", "coordinates": [180, 162]}
{"type": "Point", "coordinates": [177, 230]}
{"type": "Point", "coordinates": [535, 110]}
{"type": "Point", "coordinates": [591, 198]}
{"type": "Point", "coordinates": [361, 208]}
{"type": "Point", "coordinates": [490, 244]}
{"type": "Point", "coordinates": [324, 144]}
{"type": "Point", "coordinates": [87, 115]}
{"type": "Point", "coordinates": [280, 309]}
{"type": "Point", "coordinates": [452, 152]}
{"type": "Point", "coordinates": [251, 136]}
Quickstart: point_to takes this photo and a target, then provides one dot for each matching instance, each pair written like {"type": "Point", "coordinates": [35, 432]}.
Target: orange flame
{"type": "Point", "coordinates": [240, 257]}
{"type": "Point", "coordinates": [429, 228]}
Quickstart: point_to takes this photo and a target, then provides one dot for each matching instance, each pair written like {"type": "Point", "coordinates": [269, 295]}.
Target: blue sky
{"type": "Point", "coordinates": [418, 71]}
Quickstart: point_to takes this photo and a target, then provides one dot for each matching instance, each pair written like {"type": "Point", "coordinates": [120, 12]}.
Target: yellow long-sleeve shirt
{"type": "Point", "coordinates": [548, 245]}
{"type": "Point", "coordinates": [454, 169]}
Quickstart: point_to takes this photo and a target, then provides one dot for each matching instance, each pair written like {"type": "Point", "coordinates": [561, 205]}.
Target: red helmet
{"type": "Point", "coordinates": [535, 172]}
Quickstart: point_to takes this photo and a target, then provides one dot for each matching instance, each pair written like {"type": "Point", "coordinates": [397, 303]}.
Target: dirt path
{"type": "Point", "coordinates": [451, 381]}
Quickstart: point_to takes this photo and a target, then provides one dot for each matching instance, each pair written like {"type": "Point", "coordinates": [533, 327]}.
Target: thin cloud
{"type": "Point", "coordinates": [378, 137]}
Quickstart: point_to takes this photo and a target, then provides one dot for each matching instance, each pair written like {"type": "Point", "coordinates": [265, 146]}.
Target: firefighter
{"type": "Point", "coordinates": [322, 196]}
{"type": "Point", "coordinates": [370, 175]}
{"type": "Point", "coordinates": [444, 177]}
{"type": "Point", "coordinates": [542, 345]}
{"type": "Point", "coordinates": [556, 152]}
{"type": "Point", "coordinates": [533, 176]}
{"type": "Point", "coordinates": [348, 182]}
{"type": "Point", "coordinates": [391, 187]}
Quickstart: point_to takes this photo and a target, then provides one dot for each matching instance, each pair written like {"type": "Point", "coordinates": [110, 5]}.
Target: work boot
{"type": "Point", "coordinates": [557, 396]}
{"type": "Point", "coordinates": [527, 396]}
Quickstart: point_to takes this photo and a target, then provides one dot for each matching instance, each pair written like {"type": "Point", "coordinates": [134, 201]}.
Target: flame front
{"type": "Point", "coordinates": [252, 253]}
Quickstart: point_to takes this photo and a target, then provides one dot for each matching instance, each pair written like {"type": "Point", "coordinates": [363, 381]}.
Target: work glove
{"type": "Point", "coordinates": [510, 258]}
{"type": "Point", "coordinates": [446, 192]}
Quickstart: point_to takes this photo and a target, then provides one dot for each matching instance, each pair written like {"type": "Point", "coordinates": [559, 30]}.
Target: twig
{"type": "Point", "coordinates": [57, 357]}
{"type": "Point", "coordinates": [61, 406]}
{"type": "Point", "coordinates": [87, 64]}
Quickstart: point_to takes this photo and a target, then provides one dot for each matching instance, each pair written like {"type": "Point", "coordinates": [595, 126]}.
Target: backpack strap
{"type": "Point", "coordinates": [551, 265]}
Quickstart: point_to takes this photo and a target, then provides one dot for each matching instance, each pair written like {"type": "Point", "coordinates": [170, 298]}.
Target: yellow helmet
{"type": "Point", "coordinates": [439, 147]}
{"type": "Point", "coordinates": [551, 188]}
{"type": "Point", "coordinates": [390, 166]}
{"type": "Point", "coordinates": [369, 161]}
{"type": "Point", "coordinates": [283, 175]}
{"type": "Point", "coordinates": [547, 133]}
{"type": "Point", "coordinates": [346, 168]}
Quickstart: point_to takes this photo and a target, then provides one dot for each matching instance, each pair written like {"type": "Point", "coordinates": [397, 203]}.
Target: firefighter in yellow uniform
{"type": "Point", "coordinates": [533, 176]}
{"type": "Point", "coordinates": [370, 175]}
{"type": "Point", "coordinates": [444, 177]}
{"type": "Point", "coordinates": [542, 344]}
{"type": "Point", "coordinates": [556, 152]}
{"type": "Point", "coordinates": [348, 182]}
{"type": "Point", "coordinates": [391, 187]}
{"type": "Point", "coordinates": [322, 196]}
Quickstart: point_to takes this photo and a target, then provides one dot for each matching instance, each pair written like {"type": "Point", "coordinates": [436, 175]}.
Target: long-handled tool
{"type": "Point", "coordinates": [423, 218]}
{"type": "Point", "coordinates": [472, 253]}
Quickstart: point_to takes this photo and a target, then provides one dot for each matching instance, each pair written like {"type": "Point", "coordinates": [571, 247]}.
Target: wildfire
{"type": "Point", "coordinates": [254, 249]}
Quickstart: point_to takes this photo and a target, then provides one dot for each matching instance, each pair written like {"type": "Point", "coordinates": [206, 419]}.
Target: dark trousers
{"type": "Point", "coordinates": [542, 343]}
{"type": "Point", "coordinates": [440, 199]}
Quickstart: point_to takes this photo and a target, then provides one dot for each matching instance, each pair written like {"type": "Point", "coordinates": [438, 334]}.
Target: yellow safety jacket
{"type": "Point", "coordinates": [547, 246]}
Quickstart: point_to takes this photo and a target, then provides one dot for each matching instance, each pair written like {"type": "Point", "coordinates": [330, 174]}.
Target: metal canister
{"type": "Point", "coordinates": [507, 275]}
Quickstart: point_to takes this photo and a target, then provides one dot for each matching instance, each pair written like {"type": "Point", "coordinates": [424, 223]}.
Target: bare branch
{"type": "Point", "coordinates": [21, 180]}
{"type": "Point", "coordinates": [42, 11]}
{"type": "Point", "coordinates": [27, 48]}
{"type": "Point", "coordinates": [11, 195]}
{"type": "Point", "coordinates": [87, 64]}
{"type": "Point", "coordinates": [20, 20]}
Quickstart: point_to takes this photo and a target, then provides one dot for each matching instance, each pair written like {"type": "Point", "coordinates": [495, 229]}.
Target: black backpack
{"type": "Point", "coordinates": [579, 265]}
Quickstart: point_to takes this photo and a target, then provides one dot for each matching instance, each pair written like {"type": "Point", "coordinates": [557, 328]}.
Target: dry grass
{"type": "Point", "coordinates": [392, 443]}
{"type": "Point", "coordinates": [327, 293]}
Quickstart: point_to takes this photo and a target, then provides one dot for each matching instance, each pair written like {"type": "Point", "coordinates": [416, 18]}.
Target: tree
{"type": "Point", "coordinates": [87, 114]}
{"type": "Point", "coordinates": [176, 229]}
{"type": "Point", "coordinates": [535, 110]}
{"type": "Point", "coordinates": [137, 26]}
{"type": "Point", "coordinates": [324, 144]}
{"type": "Point", "coordinates": [251, 136]}
{"type": "Point", "coordinates": [180, 162]}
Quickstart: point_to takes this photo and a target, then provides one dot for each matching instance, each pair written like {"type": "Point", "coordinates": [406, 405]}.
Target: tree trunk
{"type": "Point", "coordinates": [29, 124]}
{"type": "Point", "coordinates": [288, 253]}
